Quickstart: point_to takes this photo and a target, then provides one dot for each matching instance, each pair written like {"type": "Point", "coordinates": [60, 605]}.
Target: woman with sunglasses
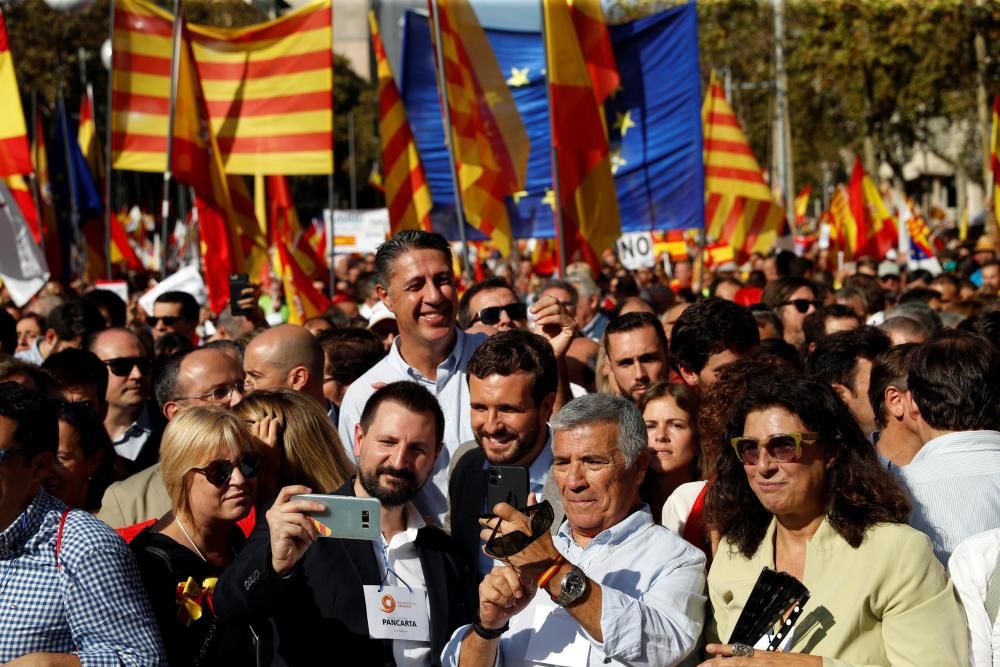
{"type": "Point", "coordinates": [791, 299]}
{"type": "Point", "coordinates": [209, 462]}
{"type": "Point", "coordinates": [799, 490]}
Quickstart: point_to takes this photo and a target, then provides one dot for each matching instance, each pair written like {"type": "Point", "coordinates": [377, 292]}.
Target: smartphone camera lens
{"type": "Point", "coordinates": [365, 518]}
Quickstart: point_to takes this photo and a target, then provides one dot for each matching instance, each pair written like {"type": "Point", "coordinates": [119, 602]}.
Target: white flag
{"type": "Point", "coordinates": [22, 265]}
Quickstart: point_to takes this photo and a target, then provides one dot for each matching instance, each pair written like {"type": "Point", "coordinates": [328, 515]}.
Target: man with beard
{"type": "Point", "coordinates": [316, 593]}
{"type": "Point", "coordinates": [637, 353]}
{"type": "Point", "coordinates": [512, 388]}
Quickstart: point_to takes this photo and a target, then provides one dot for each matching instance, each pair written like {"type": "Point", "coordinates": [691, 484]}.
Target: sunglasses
{"type": "Point", "coordinates": [783, 447]}
{"type": "Point", "coordinates": [801, 305]}
{"type": "Point", "coordinates": [168, 320]}
{"type": "Point", "coordinates": [218, 472]}
{"type": "Point", "coordinates": [491, 315]}
{"type": "Point", "coordinates": [122, 366]}
{"type": "Point", "coordinates": [504, 546]}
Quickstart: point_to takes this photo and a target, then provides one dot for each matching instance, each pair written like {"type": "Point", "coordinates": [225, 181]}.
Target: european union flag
{"type": "Point", "coordinates": [654, 123]}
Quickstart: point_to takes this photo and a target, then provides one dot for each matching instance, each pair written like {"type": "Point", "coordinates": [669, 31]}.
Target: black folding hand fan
{"type": "Point", "coordinates": [776, 598]}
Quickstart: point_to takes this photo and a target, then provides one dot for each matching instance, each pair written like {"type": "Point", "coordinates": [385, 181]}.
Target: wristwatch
{"type": "Point", "coordinates": [572, 586]}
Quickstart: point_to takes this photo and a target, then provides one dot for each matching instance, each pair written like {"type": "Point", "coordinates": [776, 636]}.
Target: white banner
{"type": "Point", "coordinates": [357, 231]}
{"type": "Point", "coordinates": [187, 280]}
{"type": "Point", "coordinates": [22, 264]}
{"type": "Point", "coordinates": [636, 250]}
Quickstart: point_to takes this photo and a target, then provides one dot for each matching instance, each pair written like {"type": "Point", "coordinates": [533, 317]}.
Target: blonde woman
{"type": "Point", "coordinates": [301, 444]}
{"type": "Point", "coordinates": [209, 461]}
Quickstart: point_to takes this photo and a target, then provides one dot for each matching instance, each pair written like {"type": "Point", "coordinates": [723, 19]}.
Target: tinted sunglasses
{"type": "Point", "coordinates": [801, 305]}
{"type": "Point", "coordinates": [122, 366]}
{"type": "Point", "coordinates": [783, 447]}
{"type": "Point", "coordinates": [168, 320]}
{"type": "Point", "coordinates": [491, 315]}
{"type": "Point", "coordinates": [218, 472]}
{"type": "Point", "coordinates": [504, 546]}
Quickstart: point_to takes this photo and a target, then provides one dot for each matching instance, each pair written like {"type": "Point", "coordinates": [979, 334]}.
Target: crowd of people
{"type": "Point", "coordinates": [679, 444]}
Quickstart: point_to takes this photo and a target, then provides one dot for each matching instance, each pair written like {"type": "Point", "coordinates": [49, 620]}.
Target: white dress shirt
{"type": "Point", "coordinates": [970, 567]}
{"type": "Point", "coordinates": [652, 599]}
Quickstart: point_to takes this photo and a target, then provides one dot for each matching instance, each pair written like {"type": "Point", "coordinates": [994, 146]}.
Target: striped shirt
{"type": "Point", "coordinates": [954, 481]}
{"type": "Point", "coordinates": [92, 604]}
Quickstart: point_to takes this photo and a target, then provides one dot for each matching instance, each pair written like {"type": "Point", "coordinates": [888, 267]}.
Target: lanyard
{"type": "Point", "coordinates": [383, 550]}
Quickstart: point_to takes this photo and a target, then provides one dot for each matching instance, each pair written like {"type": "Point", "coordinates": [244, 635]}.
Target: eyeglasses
{"type": "Point", "coordinates": [218, 394]}
{"type": "Point", "coordinates": [783, 447]}
{"type": "Point", "coordinates": [122, 366]}
{"type": "Point", "coordinates": [168, 320]}
{"type": "Point", "coordinates": [218, 472]}
{"type": "Point", "coordinates": [491, 315]}
{"type": "Point", "coordinates": [801, 305]}
{"type": "Point", "coordinates": [504, 546]}
{"type": "Point", "coordinates": [4, 453]}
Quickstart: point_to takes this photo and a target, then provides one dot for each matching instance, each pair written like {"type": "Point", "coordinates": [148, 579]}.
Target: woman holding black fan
{"type": "Point", "coordinates": [799, 491]}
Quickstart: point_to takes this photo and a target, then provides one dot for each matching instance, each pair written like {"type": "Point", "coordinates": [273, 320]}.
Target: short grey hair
{"type": "Point", "coordinates": [605, 408]}
{"type": "Point", "coordinates": [585, 285]}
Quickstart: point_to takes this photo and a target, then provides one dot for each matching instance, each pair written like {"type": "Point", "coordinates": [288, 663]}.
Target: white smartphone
{"type": "Point", "coordinates": [346, 517]}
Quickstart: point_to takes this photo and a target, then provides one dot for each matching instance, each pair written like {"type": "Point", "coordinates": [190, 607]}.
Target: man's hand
{"type": "Point", "coordinates": [535, 558]}
{"type": "Point", "coordinates": [724, 658]}
{"type": "Point", "coordinates": [292, 531]}
{"type": "Point", "coordinates": [554, 323]}
{"type": "Point", "coordinates": [251, 309]}
{"type": "Point", "coordinates": [502, 594]}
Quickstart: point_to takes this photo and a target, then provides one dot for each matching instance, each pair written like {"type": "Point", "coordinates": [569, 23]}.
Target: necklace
{"type": "Point", "coordinates": [190, 541]}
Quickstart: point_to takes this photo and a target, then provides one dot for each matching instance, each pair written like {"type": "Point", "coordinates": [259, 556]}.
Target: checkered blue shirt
{"type": "Point", "coordinates": [92, 605]}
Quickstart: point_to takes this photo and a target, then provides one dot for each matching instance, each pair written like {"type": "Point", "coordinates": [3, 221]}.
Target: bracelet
{"type": "Point", "coordinates": [551, 572]}
{"type": "Point", "coordinates": [487, 633]}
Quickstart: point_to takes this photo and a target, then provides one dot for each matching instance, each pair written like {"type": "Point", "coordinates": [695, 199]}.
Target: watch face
{"type": "Point", "coordinates": [574, 584]}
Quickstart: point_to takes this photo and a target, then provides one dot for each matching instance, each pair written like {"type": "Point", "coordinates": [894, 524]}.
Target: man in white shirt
{"type": "Point", "coordinates": [974, 571]}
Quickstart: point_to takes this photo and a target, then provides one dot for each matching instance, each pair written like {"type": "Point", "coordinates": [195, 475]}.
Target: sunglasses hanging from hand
{"type": "Point", "coordinates": [501, 545]}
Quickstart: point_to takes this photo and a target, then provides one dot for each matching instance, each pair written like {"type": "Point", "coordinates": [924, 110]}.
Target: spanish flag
{"type": "Point", "coordinates": [15, 157]}
{"type": "Point", "coordinates": [876, 227]}
{"type": "Point", "coordinates": [802, 204]}
{"type": "Point", "coordinates": [582, 75]}
{"type": "Point", "coordinates": [843, 226]}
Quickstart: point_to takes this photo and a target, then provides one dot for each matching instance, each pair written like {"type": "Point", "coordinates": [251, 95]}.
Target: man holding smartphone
{"type": "Point", "coordinates": [343, 592]}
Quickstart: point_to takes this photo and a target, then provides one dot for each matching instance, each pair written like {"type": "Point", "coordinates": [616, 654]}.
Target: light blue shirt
{"type": "Point", "coordinates": [652, 598]}
{"type": "Point", "coordinates": [452, 392]}
{"type": "Point", "coordinates": [954, 481]}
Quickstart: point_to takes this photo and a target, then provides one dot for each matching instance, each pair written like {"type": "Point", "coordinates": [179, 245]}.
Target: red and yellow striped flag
{"type": "Point", "coordinates": [995, 164]}
{"type": "Point", "coordinates": [121, 251]}
{"type": "Point", "coordinates": [47, 214]}
{"type": "Point", "coordinates": [876, 227]}
{"type": "Point", "coordinates": [268, 89]}
{"type": "Point", "coordinates": [490, 143]}
{"type": "Point", "coordinates": [86, 136]}
{"type": "Point", "coordinates": [582, 74]}
{"type": "Point", "coordinates": [843, 226]}
{"type": "Point", "coordinates": [405, 185]}
{"type": "Point", "coordinates": [15, 157]}
{"type": "Point", "coordinates": [802, 204]}
{"type": "Point", "coordinates": [739, 207]}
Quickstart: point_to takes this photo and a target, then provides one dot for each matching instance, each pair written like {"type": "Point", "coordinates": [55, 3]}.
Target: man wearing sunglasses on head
{"type": "Point", "coordinates": [630, 591]}
{"type": "Point", "coordinates": [133, 422]}
{"type": "Point", "coordinates": [490, 306]}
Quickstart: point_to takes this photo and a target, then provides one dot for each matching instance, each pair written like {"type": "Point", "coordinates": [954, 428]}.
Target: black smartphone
{"type": "Point", "coordinates": [237, 283]}
{"type": "Point", "coordinates": [506, 484]}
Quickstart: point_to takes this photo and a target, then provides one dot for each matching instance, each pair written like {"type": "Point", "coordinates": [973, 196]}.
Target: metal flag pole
{"type": "Point", "coordinates": [331, 240]}
{"type": "Point", "coordinates": [557, 210]}
{"type": "Point", "coordinates": [108, 207]}
{"type": "Point", "coordinates": [74, 207]}
{"type": "Point", "coordinates": [351, 160]}
{"type": "Point", "coordinates": [171, 110]}
{"type": "Point", "coordinates": [448, 138]}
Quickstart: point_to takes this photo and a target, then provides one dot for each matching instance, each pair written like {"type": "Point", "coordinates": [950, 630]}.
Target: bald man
{"type": "Point", "coordinates": [286, 356]}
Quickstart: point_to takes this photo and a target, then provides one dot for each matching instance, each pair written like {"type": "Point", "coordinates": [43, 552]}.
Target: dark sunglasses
{"type": "Point", "coordinates": [168, 320]}
{"type": "Point", "coordinates": [504, 546]}
{"type": "Point", "coordinates": [122, 366]}
{"type": "Point", "coordinates": [491, 315]}
{"type": "Point", "coordinates": [783, 447]}
{"type": "Point", "coordinates": [801, 305]}
{"type": "Point", "coordinates": [218, 472]}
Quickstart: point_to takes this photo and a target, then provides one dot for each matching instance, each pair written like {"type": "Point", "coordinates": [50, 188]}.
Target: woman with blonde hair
{"type": "Point", "coordinates": [301, 445]}
{"type": "Point", "coordinates": [209, 461]}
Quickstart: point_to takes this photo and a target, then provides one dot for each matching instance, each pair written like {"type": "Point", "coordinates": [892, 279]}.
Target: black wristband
{"type": "Point", "coordinates": [487, 633]}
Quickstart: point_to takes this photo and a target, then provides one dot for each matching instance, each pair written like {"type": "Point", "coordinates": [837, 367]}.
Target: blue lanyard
{"type": "Point", "coordinates": [383, 549]}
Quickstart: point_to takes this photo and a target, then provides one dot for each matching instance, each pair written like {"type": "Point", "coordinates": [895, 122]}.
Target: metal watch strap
{"type": "Point", "coordinates": [565, 598]}
{"type": "Point", "coordinates": [487, 633]}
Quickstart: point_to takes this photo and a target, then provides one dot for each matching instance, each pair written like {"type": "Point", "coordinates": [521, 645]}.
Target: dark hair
{"type": "Point", "coordinates": [75, 319]}
{"type": "Point", "coordinates": [922, 295]}
{"type": "Point", "coordinates": [491, 283]}
{"type": "Point", "coordinates": [871, 291]}
{"type": "Point", "coordinates": [889, 369]}
{"type": "Point", "coordinates": [779, 348]}
{"type": "Point", "coordinates": [835, 359]}
{"type": "Point", "coordinates": [405, 241]}
{"type": "Point", "coordinates": [222, 345]}
{"type": "Point", "coordinates": [710, 327]}
{"type": "Point", "coordinates": [39, 320]}
{"type": "Point", "coordinates": [919, 275]}
{"type": "Point", "coordinates": [985, 324]}
{"type": "Point", "coordinates": [814, 325]}
{"type": "Point", "coordinates": [93, 439]}
{"type": "Point", "coordinates": [859, 492]}
{"type": "Point", "coordinates": [639, 320]}
{"type": "Point", "coordinates": [349, 352]}
{"type": "Point", "coordinates": [189, 307]}
{"type": "Point", "coordinates": [36, 430]}
{"type": "Point", "coordinates": [170, 344]}
{"type": "Point", "coordinates": [762, 314]}
{"type": "Point", "coordinates": [779, 291]}
{"type": "Point", "coordinates": [74, 368]}
{"type": "Point", "coordinates": [409, 395]}
{"type": "Point", "coordinates": [517, 350]}
{"type": "Point", "coordinates": [13, 366]}
{"type": "Point", "coordinates": [111, 302]}
{"type": "Point", "coordinates": [687, 399]}
{"type": "Point", "coordinates": [166, 388]}
{"type": "Point", "coordinates": [955, 382]}
{"type": "Point", "coordinates": [8, 333]}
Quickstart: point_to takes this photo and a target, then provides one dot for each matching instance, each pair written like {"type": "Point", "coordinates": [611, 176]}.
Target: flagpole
{"type": "Point", "coordinates": [74, 208]}
{"type": "Point", "coordinates": [33, 176]}
{"type": "Point", "coordinates": [108, 208]}
{"type": "Point", "coordinates": [171, 110]}
{"type": "Point", "coordinates": [446, 117]}
{"type": "Point", "coordinates": [331, 242]}
{"type": "Point", "coordinates": [557, 210]}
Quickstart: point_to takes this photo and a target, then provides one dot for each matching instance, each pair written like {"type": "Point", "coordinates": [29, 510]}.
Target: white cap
{"type": "Point", "coordinates": [379, 313]}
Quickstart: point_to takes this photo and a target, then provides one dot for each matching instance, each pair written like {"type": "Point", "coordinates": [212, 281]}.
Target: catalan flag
{"type": "Point", "coordinates": [921, 245]}
{"type": "Point", "coordinates": [843, 226]}
{"type": "Point", "coordinates": [489, 140]}
{"type": "Point", "coordinates": [405, 185]}
{"type": "Point", "coordinates": [303, 299]}
{"type": "Point", "coordinates": [14, 155]}
{"type": "Point", "coordinates": [582, 75]}
{"type": "Point", "coordinates": [739, 207]}
{"type": "Point", "coordinates": [286, 230]}
{"type": "Point", "coordinates": [268, 90]}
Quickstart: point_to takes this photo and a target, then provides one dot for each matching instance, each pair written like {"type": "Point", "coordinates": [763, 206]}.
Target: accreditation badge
{"type": "Point", "coordinates": [396, 612]}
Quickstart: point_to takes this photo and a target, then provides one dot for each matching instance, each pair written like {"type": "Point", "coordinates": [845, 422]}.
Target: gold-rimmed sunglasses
{"type": "Point", "coordinates": [783, 447]}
